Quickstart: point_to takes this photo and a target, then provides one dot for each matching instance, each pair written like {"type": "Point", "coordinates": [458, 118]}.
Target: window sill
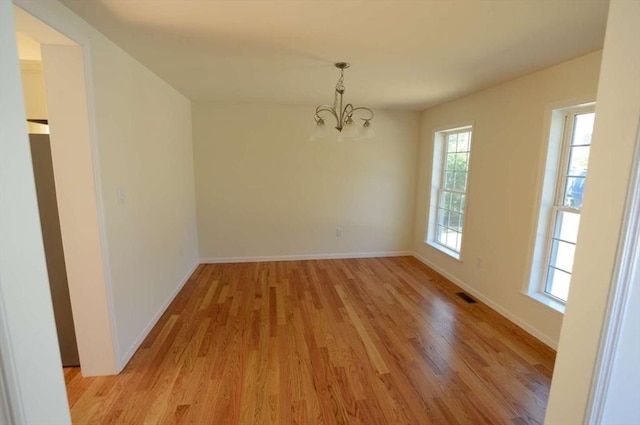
{"type": "Point", "coordinates": [451, 253]}
{"type": "Point", "coordinates": [547, 301]}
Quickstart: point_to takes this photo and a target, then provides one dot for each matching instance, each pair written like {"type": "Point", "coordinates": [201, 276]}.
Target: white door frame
{"type": "Point", "coordinates": [627, 271]}
{"type": "Point", "coordinates": [8, 415]}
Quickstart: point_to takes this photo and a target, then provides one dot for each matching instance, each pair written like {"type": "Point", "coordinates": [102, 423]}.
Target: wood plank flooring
{"type": "Point", "coordinates": [358, 341]}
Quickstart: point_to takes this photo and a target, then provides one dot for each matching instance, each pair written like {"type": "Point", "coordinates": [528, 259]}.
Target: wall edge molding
{"type": "Point", "coordinates": [124, 360]}
{"type": "Point", "coordinates": [503, 311]}
{"type": "Point", "coordinates": [327, 256]}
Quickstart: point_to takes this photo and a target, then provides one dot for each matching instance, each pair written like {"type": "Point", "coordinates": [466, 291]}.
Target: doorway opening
{"type": "Point", "coordinates": [65, 169]}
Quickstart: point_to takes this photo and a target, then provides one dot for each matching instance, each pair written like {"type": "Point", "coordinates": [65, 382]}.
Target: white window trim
{"type": "Point", "coordinates": [551, 195]}
{"type": "Point", "coordinates": [437, 176]}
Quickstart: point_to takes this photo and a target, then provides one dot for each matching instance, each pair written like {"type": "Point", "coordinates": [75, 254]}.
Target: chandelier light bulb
{"type": "Point", "coordinates": [321, 131]}
{"type": "Point", "coordinates": [366, 131]}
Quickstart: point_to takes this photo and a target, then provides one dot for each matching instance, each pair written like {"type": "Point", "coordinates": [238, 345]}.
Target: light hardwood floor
{"type": "Point", "coordinates": [358, 341]}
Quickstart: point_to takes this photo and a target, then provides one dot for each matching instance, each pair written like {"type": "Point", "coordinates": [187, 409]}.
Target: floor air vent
{"type": "Point", "coordinates": [466, 297]}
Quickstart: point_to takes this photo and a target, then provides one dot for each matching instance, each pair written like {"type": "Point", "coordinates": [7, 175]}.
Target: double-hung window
{"type": "Point", "coordinates": [452, 150]}
{"type": "Point", "coordinates": [562, 219]}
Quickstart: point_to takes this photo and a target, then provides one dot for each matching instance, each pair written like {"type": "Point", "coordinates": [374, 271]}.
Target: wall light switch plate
{"type": "Point", "coordinates": [122, 196]}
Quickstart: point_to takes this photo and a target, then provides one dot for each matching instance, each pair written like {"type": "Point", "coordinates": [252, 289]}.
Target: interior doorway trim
{"type": "Point", "coordinates": [43, 11]}
{"type": "Point", "coordinates": [11, 407]}
{"type": "Point", "coordinates": [627, 271]}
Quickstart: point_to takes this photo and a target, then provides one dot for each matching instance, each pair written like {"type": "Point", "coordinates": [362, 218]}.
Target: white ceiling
{"type": "Point", "coordinates": [403, 54]}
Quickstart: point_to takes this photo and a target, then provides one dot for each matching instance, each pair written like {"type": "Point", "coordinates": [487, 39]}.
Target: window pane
{"type": "Point", "coordinates": [452, 142]}
{"type": "Point", "coordinates": [579, 159]}
{"type": "Point", "coordinates": [449, 179]}
{"type": "Point", "coordinates": [441, 234]}
{"type": "Point", "coordinates": [562, 255]}
{"type": "Point", "coordinates": [558, 283]}
{"type": "Point", "coordinates": [451, 239]}
{"type": "Point", "coordinates": [574, 189]}
{"type": "Point", "coordinates": [583, 129]}
{"type": "Point", "coordinates": [455, 200]}
{"type": "Point", "coordinates": [463, 142]}
{"type": "Point", "coordinates": [450, 208]}
{"type": "Point", "coordinates": [461, 161]}
{"type": "Point", "coordinates": [441, 217]}
{"type": "Point", "coordinates": [460, 181]}
{"type": "Point", "coordinates": [445, 200]}
{"type": "Point", "coordinates": [458, 241]}
{"type": "Point", "coordinates": [451, 161]}
{"type": "Point", "coordinates": [566, 226]}
{"type": "Point", "coordinates": [455, 221]}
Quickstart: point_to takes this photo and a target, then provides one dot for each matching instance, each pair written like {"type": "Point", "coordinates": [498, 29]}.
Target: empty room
{"type": "Point", "coordinates": [319, 212]}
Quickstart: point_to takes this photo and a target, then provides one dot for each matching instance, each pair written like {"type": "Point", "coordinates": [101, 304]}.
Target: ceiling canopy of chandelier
{"type": "Point", "coordinates": [343, 115]}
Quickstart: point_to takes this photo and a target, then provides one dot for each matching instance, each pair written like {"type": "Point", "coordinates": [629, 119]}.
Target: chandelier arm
{"type": "Point", "coordinates": [325, 108]}
{"type": "Point", "coordinates": [342, 115]}
{"type": "Point", "coordinates": [345, 113]}
{"type": "Point", "coordinates": [363, 108]}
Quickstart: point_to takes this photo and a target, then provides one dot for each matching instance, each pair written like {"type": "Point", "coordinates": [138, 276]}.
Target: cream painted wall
{"type": "Point", "coordinates": [33, 89]}
{"type": "Point", "coordinates": [35, 102]}
{"type": "Point", "coordinates": [264, 190]}
{"type": "Point", "coordinates": [614, 140]}
{"type": "Point", "coordinates": [146, 154]}
{"type": "Point", "coordinates": [75, 185]}
{"type": "Point", "coordinates": [141, 144]}
{"type": "Point", "coordinates": [508, 150]}
{"type": "Point", "coordinates": [29, 355]}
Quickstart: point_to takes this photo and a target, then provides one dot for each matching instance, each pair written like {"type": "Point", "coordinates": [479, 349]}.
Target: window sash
{"type": "Point", "coordinates": [560, 206]}
{"type": "Point", "coordinates": [442, 189]}
{"type": "Point", "coordinates": [552, 237]}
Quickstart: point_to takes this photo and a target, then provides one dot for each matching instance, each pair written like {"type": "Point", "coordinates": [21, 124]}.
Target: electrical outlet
{"type": "Point", "coordinates": [339, 232]}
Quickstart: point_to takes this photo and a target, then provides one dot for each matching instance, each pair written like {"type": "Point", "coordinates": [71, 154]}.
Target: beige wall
{"type": "Point", "coordinates": [78, 207]}
{"type": "Point", "coordinates": [146, 153]}
{"type": "Point", "coordinates": [264, 190]}
{"type": "Point", "coordinates": [614, 141]}
{"type": "Point", "coordinates": [35, 101]}
{"type": "Point", "coordinates": [507, 154]}
{"type": "Point", "coordinates": [140, 135]}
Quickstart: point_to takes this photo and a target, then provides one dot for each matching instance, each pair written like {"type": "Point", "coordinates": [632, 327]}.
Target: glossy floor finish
{"type": "Point", "coordinates": [358, 341]}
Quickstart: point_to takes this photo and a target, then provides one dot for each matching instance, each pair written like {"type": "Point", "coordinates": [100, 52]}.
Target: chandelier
{"type": "Point", "coordinates": [343, 116]}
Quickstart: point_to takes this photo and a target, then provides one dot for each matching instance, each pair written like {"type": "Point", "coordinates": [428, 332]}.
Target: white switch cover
{"type": "Point", "coordinates": [122, 197]}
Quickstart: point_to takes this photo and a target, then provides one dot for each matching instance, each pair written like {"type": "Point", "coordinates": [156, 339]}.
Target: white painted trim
{"type": "Point", "coordinates": [435, 184]}
{"type": "Point", "coordinates": [5, 409]}
{"type": "Point", "coordinates": [97, 177]}
{"type": "Point", "coordinates": [546, 300]}
{"type": "Point", "coordinates": [42, 12]}
{"type": "Point", "coordinates": [546, 339]}
{"type": "Point", "coordinates": [10, 389]}
{"type": "Point", "coordinates": [531, 279]}
{"type": "Point", "coordinates": [216, 260]}
{"type": "Point", "coordinates": [136, 344]}
{"type": "Point", "coordinates": [627, 271]}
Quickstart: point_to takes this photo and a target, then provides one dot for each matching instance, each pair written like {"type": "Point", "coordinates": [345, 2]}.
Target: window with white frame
{"type": "Point", "coordinates": [452, 150]}
{"type": "Point", "coordinates": [551, 277]}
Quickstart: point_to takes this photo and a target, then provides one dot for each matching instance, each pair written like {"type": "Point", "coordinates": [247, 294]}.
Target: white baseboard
{"type": "Point", "coordinates": [546, 339]}
{"type": "Point", "coordinates": [216, 260]}
{"type": "Point", "coordinates": [498, 308]}
{"type": "Point", "coordinates": [136, 344]}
